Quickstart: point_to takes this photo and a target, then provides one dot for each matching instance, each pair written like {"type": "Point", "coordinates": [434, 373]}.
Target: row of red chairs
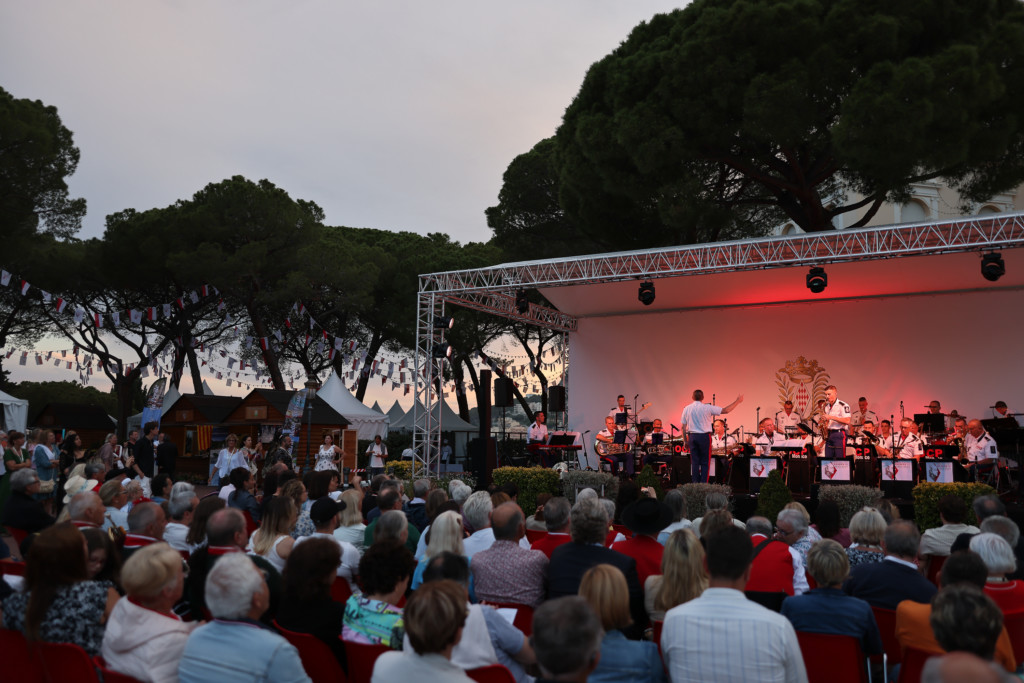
{"type": "Point", "coordinates": [45, 662]}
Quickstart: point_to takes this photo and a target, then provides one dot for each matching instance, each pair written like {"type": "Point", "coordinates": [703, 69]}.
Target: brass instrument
{"type": "Point", "coordinates": [604, 448]}
{"type": "Point", "coordinates": [823, 420]}
{"type": "Point", "coordinates": [960, 443]}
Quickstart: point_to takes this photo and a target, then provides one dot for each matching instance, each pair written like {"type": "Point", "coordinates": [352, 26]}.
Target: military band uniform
{"type": "Point", "coordinates": [653, 457]}
{"type": "Point", "coordinates": [619, 461]}
{"type": "Point", "coordinates": [907, 449]}
{"type": "Point", "coordinates": [538, 433]}
{"type": "Point", "coordinates": [858, 419]}
{"type": "Point", "coordinates": [697, 420]}
{"type": "Point", "coordinates": [835, 446]}
{"type": "Point", "coordinates": [721, 445]}
{"type": "Point", "coordinates": [764, 443]}
{"type": "Point", "coordinates": [982, 448]}
{"type": "Point", "coordinates": [787, 421]}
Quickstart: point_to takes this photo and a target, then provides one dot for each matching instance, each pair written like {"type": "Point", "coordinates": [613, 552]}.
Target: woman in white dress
{"type": "Point", "coordinates": [329, 455]}
{"type": "Point", "coordinates": [225, 460]}
{"type": "Point", "coordinates": [271, 541]}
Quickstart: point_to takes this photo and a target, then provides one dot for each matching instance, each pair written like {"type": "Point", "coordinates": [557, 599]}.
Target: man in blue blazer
{"type": "Point", "coordinates": [570, 561]}
{"type": "Point", "coordinates": [896, 578]}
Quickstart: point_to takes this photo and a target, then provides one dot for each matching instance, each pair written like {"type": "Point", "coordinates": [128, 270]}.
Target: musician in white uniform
{"type": "Point", "coordinates": [886, 439]}
{"type": "Point", "coordinates": [720, 443]}
{"type": "Point", "coordinates": [862, 415]}
{"type": "Point", "coordinates": [935, 408]}
{"type": "Point", "coordinates": [653, 457]}
{"type": "Point", "coordinates": [1000, 410]}
{"type": "Point", "coordinates": [767, 438]}
{"type": "Point", "coordinates": [838, 415]}
{"type": "Point", "coordinates": [906, 444]}
{"type": "Point", "coordinates": [606, 437]}
{"type": "Point", "coordinates": [788, 420]}
{"type": "Point", "coordinates": [981, 447]}
{"type": "Point", "coordinates": [538, 431]}
{"type": "Point", "coordinates": [620, 407]}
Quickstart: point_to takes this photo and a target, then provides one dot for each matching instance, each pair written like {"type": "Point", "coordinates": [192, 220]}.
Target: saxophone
{"type": "Point", "coordinates": [961, 444]}
{"type": "Point", "coordinates": [823, 420]}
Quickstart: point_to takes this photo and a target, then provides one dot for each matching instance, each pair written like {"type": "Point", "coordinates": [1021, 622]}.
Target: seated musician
{"type": "Point", "coordinates": [768, 437]}
{"type": "Point", "coordinates": [867, 435]}
{"type": "Point", "coordinates": [959, 433]}
{"type": "Point", "coordinates": [982, 451]}
{"type": "Point", "coordinates": [922, 439]}
{"type": "Point", "coordinates": [788, 420]}
{"type": "Point", "coordinates": [935, 408]}
{"type": "Point", "coordinates": [657, 455]}
{"type": "Point", "coordinates": [862, 415]}
{"type": "Point", "coordinates": [720, 443]}
{"type": "Point", "coordinates": [1000, 411]}
{"type": "Point", "coordinates": [538, 433]}
{"type": "Point", "coordinates": [906, 444]}
{"type": "Point", "coordinates": [620, 407]}
{"type": "Point", "coordinates": [606, 443]}
{"type": "Point", "coordinates": [886, 439]}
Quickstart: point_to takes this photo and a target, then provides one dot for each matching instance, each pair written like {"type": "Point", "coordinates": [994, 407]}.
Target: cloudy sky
{"type": "Point", "coordinates": [394, 115]}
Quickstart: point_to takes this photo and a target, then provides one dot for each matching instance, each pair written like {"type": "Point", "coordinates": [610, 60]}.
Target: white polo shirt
{"type": "Point", "coordinates": [837, 409]}
{"type": "Point", "coordinates": [698, 417]}
{"type": "Point", "coordinates": [981, 448]}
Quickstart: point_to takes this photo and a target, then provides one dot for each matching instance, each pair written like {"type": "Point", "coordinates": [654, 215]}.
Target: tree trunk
{"type": "Point", "coordinates": [269, 357]}
{"type": "Point", "coordinates": [193, 364]}
{"type": "Point", "coordinates": [364, 375]}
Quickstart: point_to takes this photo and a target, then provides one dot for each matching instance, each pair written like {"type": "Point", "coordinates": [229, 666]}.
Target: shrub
{"type": "Point", "coordinates": [927, 495]}
{"type": "Point", "coordinates": [695, 495]}
{"type": "Point", "coordinates": [647, 477]}
{"type": "Point", "coordinates": [447, 478]}
{"type": "Point", "coordinates": [574, 480]}
{"type": "Point", "coordinates": [850, 499]}
{"type": "Point", "coordinates": [402, 469]}
{"type": "Point", "coordinates": [774, 496]}
{"type": "Point", "coordinates": [532, 481]}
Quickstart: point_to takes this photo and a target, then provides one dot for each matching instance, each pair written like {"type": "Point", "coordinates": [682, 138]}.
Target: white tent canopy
{"type": "Point", "coordinates": [396, 412]}
{"type": "Point", "coordinates": [367, 422]}
{"type": "Point", "coordinates": [15, 412]}
{"type": "Point", "coordinates": [376, 408]}
{"type": "Point", "coordinates": [450, 421]}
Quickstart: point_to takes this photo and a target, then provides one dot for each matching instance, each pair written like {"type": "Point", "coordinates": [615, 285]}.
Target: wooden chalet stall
{"type": "Point", "coordinates": [193, 422]}
{"type": "Point", "coordinates": [90, 422]}
{"type": "Point", "coordinates": [263, 411]}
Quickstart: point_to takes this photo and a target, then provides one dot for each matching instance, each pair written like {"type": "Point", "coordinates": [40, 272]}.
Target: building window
{"type": "Point", "coordinates": [913, 212]}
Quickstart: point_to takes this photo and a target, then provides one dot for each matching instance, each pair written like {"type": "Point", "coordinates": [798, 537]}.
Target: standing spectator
{"type": "Point", "coordinates": [329, 455]}
{"type": "Point", "coordinates": [682, 575]}
{"type": "Point", "coordinates": [166, 455]}
{"type": "Point", "coordinates": [145, 456]}
{"type": "Point", "coordinates": [566, 639]}
{"type": "Point", "coordinates": [44, 460]}
{"type": "Point", "coordinates": [227, 459]}
{"type": "Point", "coordinates": [887, 583]}
{"type": "Point", "coordinates": [506, 572]}
{"type": "Point", "coordinates": [738, 640]}
{"type": "Point", "coordinates": [235, 647]}
{"type": "Point", "coordinates": [16, 458]}
{"type": "Point", "coordinates": [378, 453]}
{"type": "Point", "coordinates": [604, 588]}
{"type": "Point", "coordinates": [108, 453]}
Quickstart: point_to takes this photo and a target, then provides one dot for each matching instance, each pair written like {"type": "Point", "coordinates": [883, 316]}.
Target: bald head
{"type": "Point", "coordinates": [225, 527]}
{"type": "Point", "coordinates": [507, 522]}
{"type": "Point", "coordinates": [86, 506]}
{"type": "Point", "coordinates": [147, 519]}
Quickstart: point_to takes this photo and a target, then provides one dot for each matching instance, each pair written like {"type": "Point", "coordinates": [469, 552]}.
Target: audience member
{"type": "Point", "coordinates": [391, 500]}
{"type": "Point", "coordinates": [998, 557]}
{"type": "Point", "coordinates": [1010, 532]}
{"type": "Point", "coordinates": [416, 510]}
{"type": "Point", "coordinates": [196, 537]}
{"type": "Point", "coordinates": [715, 501]}
{"type": "Point", "coordinates": [738, 640]}
{"type": "Point", "coordinates": [306, 605]}
{"type": "Point", "coordinates": [180, 508]}
{"type": "Point", "coordinates": [556, 519]}
{"type": "Point", "coordinates": [645, 518]}
{"type": "Point", "coordinates": [913, 625]}
{"type": "Point", "coordinates": [159, 486]}
{"type": "Point", "coordinates": [350, 523]}
{"type": "Point", "coordinates": [964, 619]}
{"type": "Point", "coordinates": [886, 584]}
{"type": "Point", "coordinates": [389, 484]}
{"type": "Point", "coordinates": [86, 509]}
{"type": "Point", "coordinates": [113, 495]}
{"type": "Point", "coordinates": [791, 528]}
{"type": "Point", "coordinates": [374, 616]}
{"type": "Point", "coordinates": [535, 522]}
{"type": "Point", "coordinates": [569, 562]}
{"type": "Point", "coordinates": [506, 572]}
{"type": "Point", "coordinates": [812, 533]}
{"type": "Point", "coordinates": [437, 503]}
{"type": "Point", "coordinates": [867, 528]}
{"type": "Point", "coordinates": [936, 542]}
{"type": "Point", "coordinates": [958, 667]}
{"type": "Point", "coordinates": [676, 502]}
{"type": "Point", "coordinates": [434, 620]}
{"type": "Point", "coordinates": [22, 510]}
{"type": "Point", "coordinates": [828, 525]}
{"type": "Point", "coordinates": [296, 490]}
{"type": "Point", "coordinates": [682, 575]}
{"type": "Point", "coordinates": [324, 514]}
{"type": "Point", "coordinates": [58, 603]}
{"type": "Point", "coordinates": [776, 566]}
{"type": "Point", "coordinates": [236, 647]}
{"type": "Point", "coordinates": [566, 639]}
{"type": "Point", "coordinates": [146, 523]}
{"type": "Point", "coordinates": [714, 520]}
{"type": "Point", "coordinates": [272, 540]}
{"type": "Point", "coordinates": [104, 559]}
{"type": "Point", "coordinates": [445, 537]}
{"type": "Point", "coordinates": [144, 637]}
{"type": "Point", "coordinates": [241, 496]}
{"type": "Point", "coordinates": [605, 590]}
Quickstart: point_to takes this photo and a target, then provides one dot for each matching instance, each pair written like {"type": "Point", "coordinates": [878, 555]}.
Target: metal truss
{"type": "Point", "coordinates": [504, 305]}
{"type": "Point", "coordinates": [426, 430]}
{"type": "Point", "coordinates": [833, 246]}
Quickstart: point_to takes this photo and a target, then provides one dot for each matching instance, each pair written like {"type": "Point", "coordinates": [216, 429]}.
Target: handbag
{"type": "Point", "coordinates": [46, 485]}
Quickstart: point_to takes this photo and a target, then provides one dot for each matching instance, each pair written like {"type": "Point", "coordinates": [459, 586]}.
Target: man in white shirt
{"type": "Point", "coordinates": [324, 515]}
{"type": "Point", "coordinates": [180, 508]}
{"type": "Point", "coordinates": [787, 419]}
{"type": "Point", "coordinates": [696, 421]}
{"type": "Point", "coordinates": [378, 453]}
{"type": "Point", "coordinates": [838, 415]}
{"type": "Point", "coordinates": [722, 636]}
{"type": "Point", "coordinates": [721, 443]}
{"type": "Point", "coordinates": [620, 407]}
{"type": "Point", "coordinates": [1000, 410]}
{"type": "Point", "coordinates": [906, 443]}
{"type": "Point", "coordinates": [886, 439]}
{"type": "Point", "coordinates": [982, 452]}
{"type": "Point", "coordinates": [606, 439]}
{"type": "Point", "coordinates": [768, 438]}
{"type": "Point", "coordinates": [862, 415]}
{"type": "Point", "coordinates": [538, 431]}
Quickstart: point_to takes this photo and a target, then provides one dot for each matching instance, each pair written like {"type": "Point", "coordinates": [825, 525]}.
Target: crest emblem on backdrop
{"type": "Point", "coordinates": [803, 382]}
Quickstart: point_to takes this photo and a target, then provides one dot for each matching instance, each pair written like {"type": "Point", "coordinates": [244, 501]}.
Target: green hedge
{"type": "Point", "coordinates": [695, 495]}
{"type": "Point", "coordinates": [532, 481]}
{"type": "Point", "coordinates": [647, 477]}
{"type": "Point", "coordinates": [581, 479]}
{"type": "Point", "coordinates": [926, 501]}
{"type": "Point", "coordinates": [774, 496]}
{"type": "Point", "coordinates": [850, 499]}
{"type": "Point", "coordinates": [402, 469]}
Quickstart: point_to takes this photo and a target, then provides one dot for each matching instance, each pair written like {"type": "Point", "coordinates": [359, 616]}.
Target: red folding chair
{"type": "Point", "coordinates": [12, 568]}
{"type": "Point", "coordinates": [66, 662]}
{"type": "Point", "coordinates": [111, 676]}
{"type": "Point", "coordinates": [340, 590]}
{"type": "Point", "coordinates": [524, 615]}
{"type": "Point", "coordinates": [832, 659]}
{"type": "Point", "coordinates": [251, 525]}
{"type": "Point", "coordinates": [886, 620]}
{"type": "Point", "coordinates": [361, 658]}
{"type": "Point", "coordinates": [623, 529]}
{"type": "Point", "coordinates": [1014, 623]}
{"type": "Point", "coordinates": [18, 662]}
{"type": "Point", "coordinates": [495, 673]}
{"type": "Point", "coordinates": [913, 664]}
{"type": "Point", "coordinates": [935, 566]}
{"type": "Point", "coordinates": [656, 627]}
{"type": "Point", "coordinates": [534, 535]}
{"type": "Point", "coordinates": [18, 534]}
{"type": "Point", "coordinates": [317, 659]}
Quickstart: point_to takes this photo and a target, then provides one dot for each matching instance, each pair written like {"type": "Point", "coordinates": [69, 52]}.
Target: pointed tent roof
{"type": "Point", "coordinates": [450, 421]}
{"type": "Point", "coordinates": [376, 408]}
{"type": "Point", "coordinates": [207, 390]}
{"type": "Point", "coordinates": [15, 412]}
{"type": "Point", "coordinates": [396, 412]}
{"type": "Point", "coordinates": [368, 422]}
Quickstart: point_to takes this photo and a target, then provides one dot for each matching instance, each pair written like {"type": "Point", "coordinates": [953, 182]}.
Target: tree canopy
{"type": "Point", "coordinates": [729, 116]}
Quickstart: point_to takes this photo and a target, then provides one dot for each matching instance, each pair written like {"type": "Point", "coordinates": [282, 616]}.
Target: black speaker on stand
{"type": "Point", "coordinates": [502, 392]}
{"type": "Point", "coordinates": [556, 399]}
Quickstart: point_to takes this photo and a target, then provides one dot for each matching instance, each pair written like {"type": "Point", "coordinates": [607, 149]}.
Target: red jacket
{"type": "Point", "coordinates": [772, 569]}
{"type": "Point", "coordinates": [549, 542]}
{"type": "Point", "coordinates": [646, 551]}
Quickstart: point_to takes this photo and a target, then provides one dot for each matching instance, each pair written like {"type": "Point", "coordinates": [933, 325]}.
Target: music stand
{"type": "Point", "coordinates": [865, 465]}
{"type": "Point", "coordinates": [931, 423]}
{"type": "Point", "coordinates": [621, 419]}
{"type": "Point", "coordinates": [942, 452]}
{"type": "Point", "coordinates": [798, 468]}
{"type": "Point", "coordinates": [657, 438]}
{"type": "Point", "coordinates": [836, 471]}
{"type": "Point", "coordinates": [757, 470]}
{"type": "Point", "coordinates": [619, 437]}
{"type": "Point", "coordinates": [899, 476]}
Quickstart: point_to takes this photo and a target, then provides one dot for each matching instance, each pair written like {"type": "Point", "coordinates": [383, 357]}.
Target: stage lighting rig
{"type": "Point", "coordinates": [443, 350]}
{"type": "Point", "coordinates": [817, 279]}
{"type": "Point", "coordinates": [646, 293]}
{"type": "Point", "coordinates": [992, 266]}
{"type": "Point", "coordinates": [444, 322]}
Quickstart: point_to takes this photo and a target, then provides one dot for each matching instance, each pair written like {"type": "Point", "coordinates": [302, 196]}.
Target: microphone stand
{"type": "Point", "coordinates": [586, 453]}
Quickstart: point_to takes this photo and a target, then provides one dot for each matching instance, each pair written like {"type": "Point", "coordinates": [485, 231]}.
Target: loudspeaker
{"type": "Point", "coordinates": [503, 392]}
{"type": "Point", "coordinates": [680, 469]}
{"type": "Point", "coordinates": [482, 456]}
{"type": "Point", "coordinates": [556, 399]}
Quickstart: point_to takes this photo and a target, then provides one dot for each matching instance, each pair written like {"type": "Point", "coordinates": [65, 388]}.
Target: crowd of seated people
{"type": "Point", "coordinates": [186, 590]}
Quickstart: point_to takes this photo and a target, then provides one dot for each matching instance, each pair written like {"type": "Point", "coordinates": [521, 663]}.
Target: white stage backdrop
{"type": "Point", "coordinates": [964, 350]}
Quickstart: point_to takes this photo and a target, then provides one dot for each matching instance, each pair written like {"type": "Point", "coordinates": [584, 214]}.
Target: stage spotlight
{"type": "Point", "coordinates": [443, 350]}
{"type": "Point", "coordinates": [646, 293]}
{"type": "Point", "coordinates": [444, 322]}
{"type": "Point", "coordinates": [522, 303]}
{"type": "Point", "coordinates": [992, 266]}
{"type": "Point", "coordinates": [817, 279]}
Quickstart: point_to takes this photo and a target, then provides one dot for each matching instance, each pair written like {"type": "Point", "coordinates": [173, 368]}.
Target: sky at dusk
{"type": "Point", "coordinates": [398, 115]}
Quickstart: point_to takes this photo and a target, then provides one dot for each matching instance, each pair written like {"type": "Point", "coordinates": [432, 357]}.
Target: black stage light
{"type": "Point", "coordinates": [992, 266]}
{"type": "Point", "coordinates": [444, 322]}
{"type": "Point", "coordinates": [443, 350]}
{"type": "Point", "coordinates": [817, 279]}
{"type": "Point", "coordinates": [646, 293]}
{"type": "Point", "coordinates": [522, 303]}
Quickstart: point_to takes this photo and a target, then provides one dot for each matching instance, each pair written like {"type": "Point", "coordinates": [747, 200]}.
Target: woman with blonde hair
{"type": "Point", "coordinates": [145, 638]}
{"type": "Point", "coordinates": [296, 490]}
{"type": "Point", "coordinates": [682, 575]}
{"type": "Point", "coordinates": [272, 541]}
{"type": "Point", "coordinates": [446, 534]}
{"type": "Point", "coordinates": [605, 589]}
{"type": "Point", "coordinates": [867, 528]}
{"type": "Point", "coordinates": [350, 522]}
